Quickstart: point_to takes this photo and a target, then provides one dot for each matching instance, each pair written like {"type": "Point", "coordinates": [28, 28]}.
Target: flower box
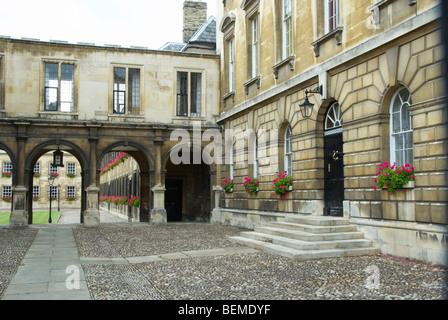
{"type": "Point", "coordinates": [394, 177]}
{"type": "Point", "coordinates": [6, 174]}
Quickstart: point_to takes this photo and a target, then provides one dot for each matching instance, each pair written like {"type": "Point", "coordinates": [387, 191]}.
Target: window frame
{"type": "Point", "coordinates": [188, 96]}
{"type": "Point", "coordinates": [287, 151]}
{"type": "Point", "coordinates": [331, 21]}
{"type": "Point", "coordinates": [6, 193]}
{"type": "Point", "coordinates": [60, 86]}
{"type": "Point", "coordinates": [408, 132]}
{"type": "Point", "coordinates": [2, 94]}
{"type": "Point", "coordinates": [287, 29]}
{"type": "Point", "coordinates": [71, 168]}
{"type": "Point", "coordinates": [7, 166]}
{"type": "Point", "coordinates": [130, 99]}
{"type": "Point", "coordinates": [70, 190]}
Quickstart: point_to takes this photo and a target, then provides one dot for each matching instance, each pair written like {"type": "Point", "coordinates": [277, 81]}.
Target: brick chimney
{"type": "Point", "coordinates": [195, 14]}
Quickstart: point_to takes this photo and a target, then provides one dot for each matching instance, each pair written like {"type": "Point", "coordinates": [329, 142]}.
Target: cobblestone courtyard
{"type": "Point", "coordinates": [125, 261]}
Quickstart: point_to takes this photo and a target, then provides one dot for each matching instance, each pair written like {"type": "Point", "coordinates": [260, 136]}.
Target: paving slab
{"type": "Point", "coordinates": [50, 270]}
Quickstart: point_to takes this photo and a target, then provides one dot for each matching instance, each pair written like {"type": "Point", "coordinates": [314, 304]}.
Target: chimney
{"type": "Point", "coordinates": [195, 14]}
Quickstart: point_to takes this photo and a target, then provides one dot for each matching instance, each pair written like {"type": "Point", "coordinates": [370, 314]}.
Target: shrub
{"type": "Point", "coordinates": [282, 184]}
{"type": "Point", "coordinates": [251, 185]}
{"type": "Point", "coordinates": [393, 177]}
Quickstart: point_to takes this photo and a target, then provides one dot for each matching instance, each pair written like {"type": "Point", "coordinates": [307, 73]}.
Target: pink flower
{"type": "Point", "coordinates": [412, 177]}
{"type": "Point", "coordinates": [284, 197]}
{"type": "Point", "coordinates": [273, 194]}
{"type": "Point", "coordinates": [398, 171]}
{"type": "Point", "coordinates": [374, 187]}
{"type": "Point", "coordinates": [407, 165]}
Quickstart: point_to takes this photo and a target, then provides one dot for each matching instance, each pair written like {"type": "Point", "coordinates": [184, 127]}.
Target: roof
{"type": "Point", "coordinates": [205, 34]}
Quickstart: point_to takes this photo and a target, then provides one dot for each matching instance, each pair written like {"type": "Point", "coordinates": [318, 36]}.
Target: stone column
{"type": "Point", "coordinates": [216, 212]}
{"type": "Point", "coordinates": [92, 213]}
{"type": "Point", "coordinates": [19, 213]}
{"type": "Point", "coordinates": [158, 213]}
{"type": "Point", "coordinates": [145, 195]}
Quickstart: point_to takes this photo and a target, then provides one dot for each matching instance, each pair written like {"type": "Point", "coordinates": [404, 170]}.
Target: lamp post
{"type": "Point", "coordinates": [50, 184]}
{"type": "Point", "coordinates": [307, 107]}
{"type": "Point", "coordinates": [59, 197]}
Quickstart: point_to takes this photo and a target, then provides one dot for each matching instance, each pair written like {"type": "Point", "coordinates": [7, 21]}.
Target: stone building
{"type": "Point", "coordinates": [374, 74]}
{"type": "Point", "coordinates": [66, 189]}
{"type": "Point", "coordinates": [89, 101]}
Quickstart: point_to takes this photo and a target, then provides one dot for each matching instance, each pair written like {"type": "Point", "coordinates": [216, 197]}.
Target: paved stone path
{"type": "Point", "coordinates": [51, 259]}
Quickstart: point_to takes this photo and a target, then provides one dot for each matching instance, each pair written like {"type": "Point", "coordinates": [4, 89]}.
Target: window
{"type": "Point", "coordinates": [71, 192]}
{"type": "Point", "coordinates": [52, 169]}
{"type": "Point", "coordinates": [286, 29]}
{"type": "Point", "coordinates": [53, 192]}
{"type": "Point", "coordinates": [126, 90]}
{"type": "Point", "coordinates": [331, 15]}
{"type": "Point", "coordinates": [288, 151]}
{"type": "Point", "coordinates": [255, 165]}
{"type": "Point", "coordinates": [71, 169]}
{"type": "Point", "coordinates": [7, 167]}
{"type": "Point", "coordinates": [189, 94]}
{"type": "Point", "coordinates": [6, 192]}
{"type": "Point", "coordinates": [401, 139]}
{"type": "Point", "coordinates": [59, 87]}
{"type": "Point", "coordinates": [333, 120]}
{"type": "Point", "coordinates": [254, 46]}
{"type": "Point", "coordinates": [36, 192]}
{"type": "Point", "coordinates": [36, 169]}
{"type": "Point", "coordinates": [231, 64]}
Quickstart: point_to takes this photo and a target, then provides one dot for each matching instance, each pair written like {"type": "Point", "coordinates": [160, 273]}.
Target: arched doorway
{"type": "Point", "coordinates": [67, 190]}
{"type": "Point", "coordinates": [7, 165]}
{"type": "Point", "coordinates": [129, 182]}
{"type": "Point", "coordinates": [187, 191]}
{"type": "Point", "coordinates": [333, 161]}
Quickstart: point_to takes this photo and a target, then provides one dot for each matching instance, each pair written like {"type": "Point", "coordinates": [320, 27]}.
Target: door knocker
{"type": "Point", "coordinates": [336, 155]}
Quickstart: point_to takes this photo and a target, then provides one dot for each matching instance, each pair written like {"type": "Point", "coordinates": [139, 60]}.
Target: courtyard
{"type": "Point", "coordinates": [196, 261]}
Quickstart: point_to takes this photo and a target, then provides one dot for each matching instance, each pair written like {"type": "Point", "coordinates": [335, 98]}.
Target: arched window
{"type": "Point", "coordinates": [288, 151]}
{"type": "Point", "coordinates": [255, 165]}
{"type": "Point", "coordinates": [333, 120]}
{"type": "Point", "coordinates": [401, 135]}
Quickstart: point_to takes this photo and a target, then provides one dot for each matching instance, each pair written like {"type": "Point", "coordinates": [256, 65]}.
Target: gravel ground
{"type": "Point", "coordinates": [240, 276]}
{"type": "Point", "coordinates": [244, 276]}
{"type": "Point", "coordinates": [13, 247]}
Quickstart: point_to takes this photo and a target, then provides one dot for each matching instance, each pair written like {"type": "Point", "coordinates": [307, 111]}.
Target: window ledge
{"type": "Point", "coordinates": [248, 84]}
{"type": "Point", "coordinates": [335, 34]}
{"type": "Point", "coordinates": [227, 96]}
{"type": "Point", "coordinates": [189, 118]}
{"type": "Point", "coordinates": [58, 115]}
{"type": "Point", "coordinates": [126, 116]}
{"type": "Point", "coordinates": [288, 61]}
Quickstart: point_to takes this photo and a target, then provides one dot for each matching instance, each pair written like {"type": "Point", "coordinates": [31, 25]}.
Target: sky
{"type": "Point", "coordinates": [145, 23]}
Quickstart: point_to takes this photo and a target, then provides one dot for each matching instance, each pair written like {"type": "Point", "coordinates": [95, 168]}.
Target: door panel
{"type": "Point", "coordinates": [334, 175]}
{"type": "Point", "coordinates": [173, 199]}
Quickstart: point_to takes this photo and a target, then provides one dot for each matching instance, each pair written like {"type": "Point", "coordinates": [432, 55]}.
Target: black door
{"type": "Point", "coordinates": [334, 175]}
{"type": "Point", "coordinates": [173, 199]}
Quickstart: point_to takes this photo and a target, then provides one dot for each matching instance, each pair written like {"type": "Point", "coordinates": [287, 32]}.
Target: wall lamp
{"type": "Point", "coordinates": [307, 107]}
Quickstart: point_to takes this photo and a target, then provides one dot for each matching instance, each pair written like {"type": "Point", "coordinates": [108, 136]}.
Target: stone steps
{"type": "Point", "coordinates": [302, 237]}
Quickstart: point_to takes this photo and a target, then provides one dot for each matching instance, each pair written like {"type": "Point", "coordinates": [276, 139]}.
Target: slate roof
{"type": "Point", "coordinates": [205, 34]}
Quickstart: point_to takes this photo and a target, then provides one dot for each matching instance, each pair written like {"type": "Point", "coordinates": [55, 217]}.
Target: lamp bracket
{"type": "Point", "coordinates": [318, 90]}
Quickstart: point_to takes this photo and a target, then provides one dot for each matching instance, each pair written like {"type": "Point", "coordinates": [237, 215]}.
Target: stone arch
{"type": "Point", "coordinates": [195, 191]}
{"type": "Point", "coordinates": [146, 164]}
{"type": "Point", "coordinates": [47, 146]}
{"type": "Point", "coordinates": [13, 161]}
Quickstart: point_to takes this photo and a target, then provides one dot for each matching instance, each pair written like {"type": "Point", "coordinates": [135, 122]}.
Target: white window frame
{"type": "Point", "coordinates": [334, 25]}
{"type": "Point", "coordinates": [53, 191]}
{"type": "Point", "coordinates": [403, 133]}
{"type": "Point", "coordinates": [255, 164]}
{"type": "Point", "coordinates": [231, 55]}
{"type": "Point", "coordinates": [71, 191]}
{"type": "Point", "coordinates": [36, 168]}
{"type": "Point", "coordinates": [36, 191]}
{"type": "Point", "coordinates": [255, 32]}
{"type": "Point", "coordinates": [287, 147]}
{"type": "Point", "coordinates": [6, 191]}
{"type": "Point", "coordinates": [287, 29]}
{"type": "Point", "coordinates": [7, 166]}
{"type": "Point", "coordinates": [71, 168]}
{"type": "Point", "coordinates": [52, 169]}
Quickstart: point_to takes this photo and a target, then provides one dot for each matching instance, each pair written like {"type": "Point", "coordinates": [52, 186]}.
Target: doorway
{"type": "Point", "coordinates": [334, 164]}
{"type": "Point", "coordinates": [173, 199]}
